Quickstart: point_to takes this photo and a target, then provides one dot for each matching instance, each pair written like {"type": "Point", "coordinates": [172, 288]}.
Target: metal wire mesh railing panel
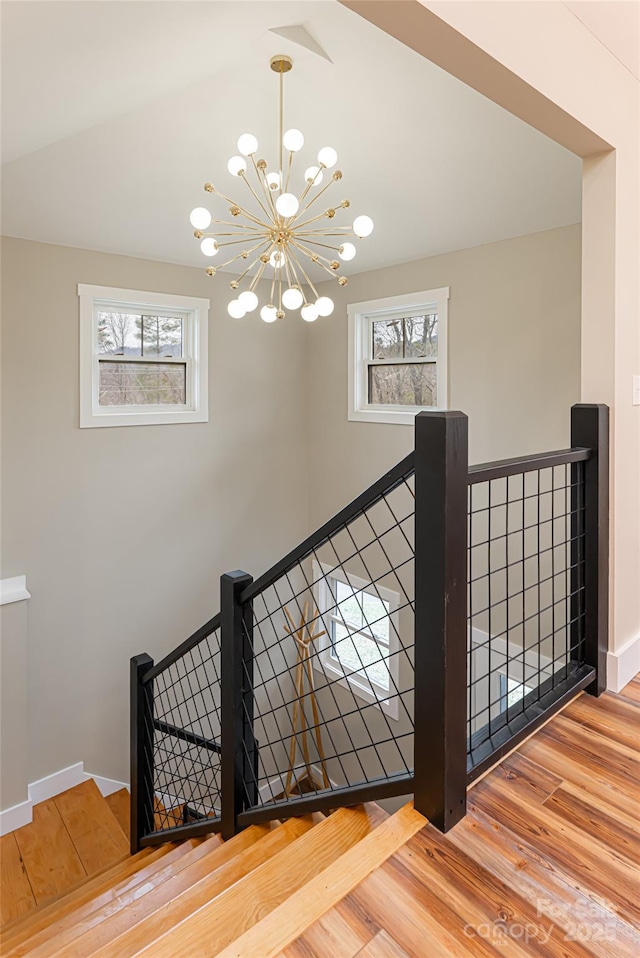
{"type": "Point", "coordinates": [332, 643]}
{"type": "Point", "coordinates": [526, 594]}
{"type": "Point", "coordinates": [185, 729]}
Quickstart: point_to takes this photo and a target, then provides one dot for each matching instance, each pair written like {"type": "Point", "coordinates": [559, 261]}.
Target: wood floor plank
{"type": "Point", "coordinates": [631, 691]}
{"type": "Point", "coordinates": [94, 831]}
{"type": "Point", "coordinates": [382, 946]}
{"type": "Point", "coordinates": [480, 900]}
{"type": "Point", "coordinates": [342, 933]}
{"type": "Point", "coordinates": [64, 928]}
{"type": "Point", "coordinates": [527, 779]}
{"type": "Point", "coordinates": [309, 899]}
{"type": "Point", "coordinates": [84, 892]}
{"type": "Point", "coordinates": [50, 857]}
{"type": "Point", "coordinates": [605, 716]}
{"type": "Point", "coordinates": [618, 763]}
{"type": "Point", "coordinates": [119, 803]}
{"type": "Point", "coordinates": [16, 896]}
{"type": "Point", "coordinates": [605, 873]}
{"type": "Point", "coordinates": [555, 895]}
{"type": "Point", "coordinates": [577, 770]}
{"type": "Point", "coordinates": [621, 836]}
{"type": "Point", "coordinates": [117, 926]}
{"type": "Point", "coordinates": [423, 925]}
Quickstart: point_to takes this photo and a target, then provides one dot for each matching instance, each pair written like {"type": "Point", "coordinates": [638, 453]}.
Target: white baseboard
{"type": "Point", "coordinates": [48, 787]}
{"type": "Point", "coordinates": [623, 665]}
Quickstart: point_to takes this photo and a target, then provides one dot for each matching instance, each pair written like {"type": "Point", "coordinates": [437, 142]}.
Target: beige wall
{"type": "Point", "coordinates": [14, 715]}
{"type": "Point", "coordinates": [589, 101]}
{"type": "Point", "coordinates": [123, 532]}
{"type": "Point", "coordinates": [514, 359]}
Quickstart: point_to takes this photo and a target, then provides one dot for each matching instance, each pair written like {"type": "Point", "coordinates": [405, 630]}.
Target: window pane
{"type": "Point", "coordinates": [141, 384]}
{"type": "Point", "coordinates": [359, 653]}
{"type": "Point", "coordinates": [403, 384]}
{"type": "Point", "coordinates": [119, 334]}
{"type": "Point", "coordinates": [349, 604]}
{"type": "Point", "coordinates": [161, 336]}
{"type": "Point", "coordinates": [388, 339]}
{"type": "Point", "coordinates": [421, 335]}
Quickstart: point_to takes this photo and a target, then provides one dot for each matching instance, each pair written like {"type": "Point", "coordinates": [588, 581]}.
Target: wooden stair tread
{"type": "Point", "coordinates": [119, 803]}
{"type": "Point", "coordinates": [16, 896]}
{"type": "Point", "coordinates": [236, 859]}
{"type": "Point", "coordinates": [93, 827]}
{"type": "Point", "coordinates": [312, 894]}
{"type": "Point", "coordinates": [62, 929]}
{"type": "Point", "coordinates": [50, 857]}
{"type": "Point", "coordinates": [84, 891]}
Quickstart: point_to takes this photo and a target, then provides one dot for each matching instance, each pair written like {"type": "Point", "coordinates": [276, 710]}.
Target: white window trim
{"type": "Point", "coordinates": [325, 661]}
{"type": "Point", "coordinates": [359, 410]}
{"type": "Point", "coordinates": [196, 359]}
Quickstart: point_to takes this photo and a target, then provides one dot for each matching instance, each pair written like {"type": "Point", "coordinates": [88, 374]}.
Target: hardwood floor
{"type": "Point", "coordinates": [547, 861]}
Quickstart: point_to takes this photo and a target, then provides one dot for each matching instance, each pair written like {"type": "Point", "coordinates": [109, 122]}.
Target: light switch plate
{"type": "Point", "coordinates": [636, 390]}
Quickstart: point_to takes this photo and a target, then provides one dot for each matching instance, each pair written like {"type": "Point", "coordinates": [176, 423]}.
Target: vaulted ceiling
{"type": "Point", "coordinates": [115, 114]}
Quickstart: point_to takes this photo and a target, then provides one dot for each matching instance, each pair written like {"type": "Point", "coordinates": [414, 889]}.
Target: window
{"type": "Point", "coordinates": [511, 692]}
{"type": "Point", "coordinates": [360, 646]}
{"type": "Point", "coordinates": [398, 356]}
{"type": "Point", "coordinates": [143, 357]}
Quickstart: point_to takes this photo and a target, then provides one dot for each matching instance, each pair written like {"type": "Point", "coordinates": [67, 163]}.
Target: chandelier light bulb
{"type": "Point", "coordinates": [287, 204]}
{"type": "Point", "coordinates": [235, 309]}
{"type": "Point", "coordinates": [292, 298]}
{"type": "Point", "coordinates": [328, 157]}
{"type": "Point", "coordinates": [200, 218]}
{"type": "Point", "coordinates": [269, 314]}
{"type": "Point", "coordinates": [237, 165]}
{"type": "Point", "coordinates": [247, 144]}
{"type": "Point", "coordinates": [324, 305]}
{"type": "Point", "coordinates": [209, 246]}
{"type": "Point", "coordinates": [293, 141]}
{"type": "Point", "coordinates": [313, 175]}
{"type": "Point", "coordinates": [309, 312]}
{"type": "Point", "coordinates": [248, 300]}
{"type": "Point", "coordinates": [273, 179]}
{"type": "Point", "coordinates": [362, 226]}
{"type": "Point", "coordinates": [347, 251]}
{"type": "Point", "coordinates": [277, 259]}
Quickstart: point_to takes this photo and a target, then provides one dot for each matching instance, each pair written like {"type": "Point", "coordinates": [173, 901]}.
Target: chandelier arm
{"type": "Point", "coordinates": [289, 165]}
{"type": "Point", "coordinates": [313, 219]}
{"type": "Point", "coordinates": [254, 219]}
{"type": "Point", "coordinates": [273, 286]}
{"type": "Point", "coordinates": [280, 288]}
{"type": "Point", "coordinates": [250, 267]}
{"type": "Point", "coordinates": [334, 231]}
{"type": "Point", "coordinates": [239, 255]}
{"type": "Point", "coordinates": [251, 235]}
{"type": "Point", "coordinates": [313, 256]}
{"type": "Point", "coordinates": [311, 184]}
{"type": "Point", "coordinates": [318, 243]}
{"type": "Point", "coordinates": [304, 273]}
{"type": "Point", "coordinates": [318, 195]}
{"type": "Point", "coordinates": [235, 225]}
{"type": "Point", "coordinates": [255, 195]}
{"type": "Point", "coordinates": [262, 179]}
{"type": "Point", "coordinates": [327, 269]}
{"type": "Point", "coordinates": [295, 275]}
{"type": "Point", "coordinates": [256, 279]}
{"type": "Point", "coordinates": [243, 239]}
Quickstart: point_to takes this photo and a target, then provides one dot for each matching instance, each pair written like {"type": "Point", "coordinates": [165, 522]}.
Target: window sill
{"type": "Point", "coordinates": [396, 417]}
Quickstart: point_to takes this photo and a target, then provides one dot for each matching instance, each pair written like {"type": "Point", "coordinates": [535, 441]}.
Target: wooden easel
{"type": "Point", "coordinates": [303, 636]}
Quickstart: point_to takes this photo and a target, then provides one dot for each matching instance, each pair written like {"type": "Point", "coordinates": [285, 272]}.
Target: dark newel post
{"type": "Point", "coordinates": [233, 743]}
{"type": "Point", "coordinates": [590, 428]}
{"type": "Point", "coordinates": [141, 751]}
{"type": "Point", "coordinates": [440, 749]}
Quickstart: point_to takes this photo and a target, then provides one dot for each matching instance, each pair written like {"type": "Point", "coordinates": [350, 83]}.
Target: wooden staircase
{"type": "Point", "coordinates": [547, 862]}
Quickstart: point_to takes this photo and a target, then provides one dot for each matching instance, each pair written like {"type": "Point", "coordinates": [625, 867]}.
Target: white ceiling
{"type": "Point", "coordinates": [115, 114]}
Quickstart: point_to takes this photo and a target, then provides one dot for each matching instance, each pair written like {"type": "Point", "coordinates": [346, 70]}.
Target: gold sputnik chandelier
{"type": "Point", "coordinates": [283, 233]}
